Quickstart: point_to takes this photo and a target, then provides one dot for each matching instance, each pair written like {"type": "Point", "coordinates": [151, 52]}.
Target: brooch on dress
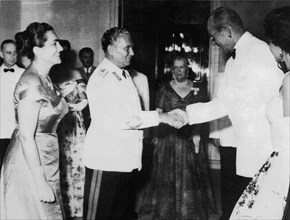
{"type": "Point", "coordinates": [195, 90]}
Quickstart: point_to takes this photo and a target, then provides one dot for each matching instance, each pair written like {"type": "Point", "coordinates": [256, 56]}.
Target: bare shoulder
{"type": "Point", "coordinates": [30, 77]}
{"type": "Point", "coordinates": [171, 82]}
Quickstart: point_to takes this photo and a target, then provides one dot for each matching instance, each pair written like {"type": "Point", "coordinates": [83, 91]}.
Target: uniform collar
{"type": "Point", "coordinates": [112, 67]}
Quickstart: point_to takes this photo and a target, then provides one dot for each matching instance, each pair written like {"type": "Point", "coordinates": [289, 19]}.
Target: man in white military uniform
{"type": "Point", "coordinates": [9, 76]}
{"type": "Point", "coordinates": [113, 145]}
{"type": "Point", "coordinates": [252, 79]}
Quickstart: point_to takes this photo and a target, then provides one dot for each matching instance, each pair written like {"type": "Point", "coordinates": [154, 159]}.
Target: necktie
{"type": "Point", "coordinates": [124, 74]}
{"type": "Point", "coordinates": [87, 72]}
{"type": "Point", "coordinates": [7, 70]}
{"type": "Point", "coordinates": [233, 54]}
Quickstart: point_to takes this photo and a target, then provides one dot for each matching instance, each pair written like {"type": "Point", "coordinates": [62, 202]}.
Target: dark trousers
{"type": "Point", "coordinates": [232, 185]}
{"type": "Point", "coordinates": [3, 147]}
{"type": "Point", "coordinates": [106, 195]}
{"type": "Point", "coordinates": [87, 116]}
{"type": "Point", "coordinates": [286, 215]}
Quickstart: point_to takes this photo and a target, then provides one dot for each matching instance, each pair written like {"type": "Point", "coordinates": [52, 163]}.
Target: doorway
{"type": "Point", "coordinates": [163, 28]}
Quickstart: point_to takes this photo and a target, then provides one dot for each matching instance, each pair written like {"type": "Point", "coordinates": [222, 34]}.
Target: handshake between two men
{"type": "Point", "coordinates": [176, 118]}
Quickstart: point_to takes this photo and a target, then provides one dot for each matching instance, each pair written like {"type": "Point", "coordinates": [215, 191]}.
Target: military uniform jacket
{"type": "Point", "coordinates": [110, 144]}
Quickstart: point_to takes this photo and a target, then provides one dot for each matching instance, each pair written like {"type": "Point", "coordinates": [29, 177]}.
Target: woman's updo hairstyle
{"type": "Point", "coordinates": [34, 35]}
{"type": "Point", "coordinates": [277, 27]}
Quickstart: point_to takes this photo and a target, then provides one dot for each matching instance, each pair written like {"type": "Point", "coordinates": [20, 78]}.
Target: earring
{"type": "Point", "coordinates": [173, 78]}
{"type": "Point", "coordinates": [281, 56]}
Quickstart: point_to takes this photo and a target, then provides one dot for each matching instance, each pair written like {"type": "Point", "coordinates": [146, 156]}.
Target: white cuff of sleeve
{"type": "Point", "coordinates": [149, 119]}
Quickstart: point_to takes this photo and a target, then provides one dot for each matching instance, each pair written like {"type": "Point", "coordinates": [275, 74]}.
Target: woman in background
{"type": "Point", "coordinates": [71, 133]}
{"type": "Point", "coordinates": [179, 186]}
{"type": "Point", "coordinates": [265, 196]}
{"type": "Point", "coordinates": [30, 186]}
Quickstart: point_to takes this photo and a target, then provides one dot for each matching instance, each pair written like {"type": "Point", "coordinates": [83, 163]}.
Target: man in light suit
{"type": "Point", "coordinates": [113, 145]}
{"type": "Point", "coordinates": [86, 56]}
{"type": "Point", "coordinates": [251, 80]}
{"type": "Point", "coordinates": [223, 136]}
{"type": "Point", "coordinates": [9, 76]}
{"type": "Point", "coordinates": [141, 82]}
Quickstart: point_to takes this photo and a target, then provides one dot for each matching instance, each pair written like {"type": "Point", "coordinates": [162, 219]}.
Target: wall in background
{"type": "Point", "coordinates": [80, 22]}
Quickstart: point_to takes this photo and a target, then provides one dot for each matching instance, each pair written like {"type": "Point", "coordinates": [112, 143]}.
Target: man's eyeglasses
{"type": "Point", "coordinates": [211, 36]}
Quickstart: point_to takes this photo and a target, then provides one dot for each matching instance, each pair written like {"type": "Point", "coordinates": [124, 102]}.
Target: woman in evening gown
{"type": "Point", "coordinates": [179, 186]}
{"type": "Point", "coordinates": [266, 195]}
{"type": "Point", "coordinates": [30, 187]}
{"type": "Point", "coordinates": [71, 133]}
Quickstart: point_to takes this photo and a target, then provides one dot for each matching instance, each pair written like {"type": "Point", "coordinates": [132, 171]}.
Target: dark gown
{"type": "Point", "coordinates": [18, 194]}
{"type": "Point", "coordinates": [179, 186]}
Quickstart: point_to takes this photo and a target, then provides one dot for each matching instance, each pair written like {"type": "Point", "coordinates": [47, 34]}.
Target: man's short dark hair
{"type": "Point", "coordinates": [8, 41]}
{"type": "Point", "coordinates": [226, 16]}
{"type": "Point", "coordinates": [111, 36]}
{"type": "Point", "coordinates": [86, 50]}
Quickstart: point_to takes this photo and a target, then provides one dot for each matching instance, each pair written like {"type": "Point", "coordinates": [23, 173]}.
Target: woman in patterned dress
{"type": "Point", "coordinates": [71, 133]}
{"type": "Point", "coordinates": [265, 196]}
{"type": "Point", "coordinates": [30, 187]}
{"type": "Point", "coordinates": [179, 186]}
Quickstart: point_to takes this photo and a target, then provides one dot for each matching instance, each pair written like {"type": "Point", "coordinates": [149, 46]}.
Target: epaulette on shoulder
{"type": "Point", "coordinates": [116, 75]}
{"type": "Point", "coordinates": [103, 72]}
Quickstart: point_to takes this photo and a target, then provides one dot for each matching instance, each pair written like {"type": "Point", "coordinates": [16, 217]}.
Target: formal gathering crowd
{"type": "Point", "coordinates": [72, 138]}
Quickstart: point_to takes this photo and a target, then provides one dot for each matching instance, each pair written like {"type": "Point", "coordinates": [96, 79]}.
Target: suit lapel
{"type": "Point", "coordinates": [92, 70]}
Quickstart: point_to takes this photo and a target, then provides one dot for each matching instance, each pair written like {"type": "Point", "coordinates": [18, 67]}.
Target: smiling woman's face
{"type": "Point", "coordinates": [50, 52]}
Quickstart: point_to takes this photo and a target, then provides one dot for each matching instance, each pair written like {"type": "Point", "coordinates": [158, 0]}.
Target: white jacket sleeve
{"type": "Point", "coordinates": [205, 112]}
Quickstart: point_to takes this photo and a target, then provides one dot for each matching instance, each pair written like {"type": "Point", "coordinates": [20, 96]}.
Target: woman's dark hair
{"type": "Point", "coordinates": [65, 54]}
{"type": "Point", "coordinates": [277, 27]}
{"type": "Point", "coordinates": [34, 35]}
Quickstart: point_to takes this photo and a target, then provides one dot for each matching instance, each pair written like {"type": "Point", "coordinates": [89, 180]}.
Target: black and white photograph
{"type": "Point", "coordinates": [144, 109]}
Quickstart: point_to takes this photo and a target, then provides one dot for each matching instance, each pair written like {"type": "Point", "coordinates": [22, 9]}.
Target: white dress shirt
{"type": "Point", "coordinates": [8, 81]}
{"type": "Point", "coordinates": [110, 144]}
{"type": "Point", "coordinates": [87, 70]}
{"type": "Point", "coordinates": [251, 80]}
